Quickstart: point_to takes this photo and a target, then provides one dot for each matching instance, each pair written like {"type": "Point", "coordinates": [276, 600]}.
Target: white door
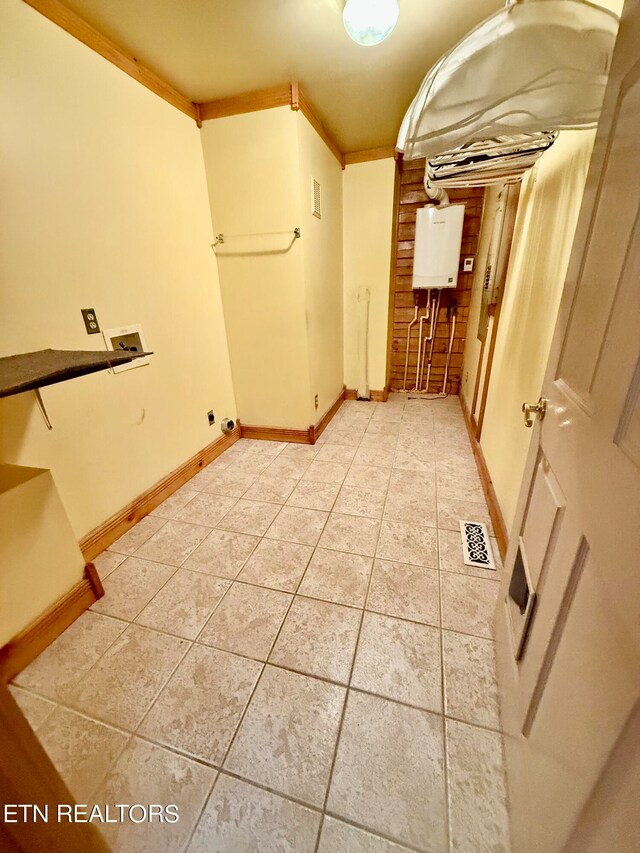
{"type": "Point", "coordinates": [576, 684]}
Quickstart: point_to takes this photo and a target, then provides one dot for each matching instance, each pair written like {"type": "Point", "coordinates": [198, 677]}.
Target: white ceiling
{"type": "Point", "coordinates": [209, 49]}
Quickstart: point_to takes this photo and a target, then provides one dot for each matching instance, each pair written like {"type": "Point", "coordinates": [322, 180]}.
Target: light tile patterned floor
{"type": "Point", "coordinates": [291, 649]}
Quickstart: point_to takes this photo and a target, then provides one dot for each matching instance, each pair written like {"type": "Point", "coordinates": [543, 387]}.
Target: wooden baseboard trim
{"type": "Point", "coordinates": [77, 27]}
{"type": "Point", "coordinates": [105, 534]}
{"type": "Point", "coordinates": [497, 519]}
{"type": "Point", "coordinates": [267, 433]}
{"type": "Point", "coordinates": [375, 396]}
{"type": "Point", "coordinates": [294, 436]}
{"type": "Point", "coordinates": [28, 644]}
{"type": "Point", "coordinates": [324, 421]}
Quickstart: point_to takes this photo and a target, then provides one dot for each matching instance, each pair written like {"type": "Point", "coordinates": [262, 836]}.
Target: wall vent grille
{"type": "Point", "coordinates": [317, 199]}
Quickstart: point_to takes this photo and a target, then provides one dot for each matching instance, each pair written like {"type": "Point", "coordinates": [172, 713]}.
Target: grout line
{"type": "Point", "coordinates": [346, 698]}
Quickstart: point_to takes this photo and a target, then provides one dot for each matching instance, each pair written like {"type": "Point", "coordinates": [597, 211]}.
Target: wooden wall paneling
{"type": "Point", "coordinates": [76, 26]}
{"type": "Point", "coordinates": [411, 196]}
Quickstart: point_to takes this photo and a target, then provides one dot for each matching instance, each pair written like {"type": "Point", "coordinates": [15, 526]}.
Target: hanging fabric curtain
{"type": "Point", "coordinates": [536, 65]}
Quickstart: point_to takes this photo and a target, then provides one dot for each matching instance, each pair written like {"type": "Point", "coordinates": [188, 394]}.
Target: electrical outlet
{"type": "Point", "coordinates": [212, 418]}
{"type": "Point", "coordinates": [316, 401]}
{"type": "Point", "coordinates": [90, 321]}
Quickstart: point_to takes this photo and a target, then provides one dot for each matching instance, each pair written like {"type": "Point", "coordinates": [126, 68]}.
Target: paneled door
{"type": "Point", "coordinates": [568, 617]}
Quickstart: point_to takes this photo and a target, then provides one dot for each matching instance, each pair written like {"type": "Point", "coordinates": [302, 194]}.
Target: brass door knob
{"type": "Point", "coordinates": [538, 409]}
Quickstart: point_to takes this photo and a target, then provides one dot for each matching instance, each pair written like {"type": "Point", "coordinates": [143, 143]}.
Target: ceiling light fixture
{"type": "Point", "coordinates": [369, 22]}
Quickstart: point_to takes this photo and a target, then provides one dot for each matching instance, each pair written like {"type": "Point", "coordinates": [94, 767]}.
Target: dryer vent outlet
{"type": "Point", "coordinates": [227, 425]}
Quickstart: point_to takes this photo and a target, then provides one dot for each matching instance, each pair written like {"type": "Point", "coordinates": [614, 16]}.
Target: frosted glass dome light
{"type": "Point", "coordinates": [369, 22]}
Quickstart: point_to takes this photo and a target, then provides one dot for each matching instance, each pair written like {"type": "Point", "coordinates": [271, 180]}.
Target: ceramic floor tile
{"type": "Point", "coordinates": [310, 494]}
{"type": "Point", "coordinates": [173, 543]}
{"type": "Point", "coordinates": [451, 512]}
{"type": "Point", "coordinates": [336, 453]}
{"type": "Point", "coordinates": [251, 517]}
{"type": "Point", "coordinates": [271, 488]}
{"type": "Point", "coordinates": [451, 557]}
{"type": "Point", "coordinates": [376, 456]}
{"type": "Point", "coordinates": [355, 500]}
{"type": "Point", "coordinates": [146, 773]}
{"type": "Point", "coordinates": [417, 482]}
{"type": "Point", "coordinates": [400, 752]}
{"type": "Point", "coordinates": [205, 509]}
{"type": "Point", "coordinates": [399, 660]}
{"type": "Point", "coordinates": [35, 708]}
{"type": "Point", "coordinates": [199, 709]}
{"type": "Point", "coordinates": [368, 477]}
{"type": "Point", "coordinates": [81, 749]}
{"type": "Point", "coordinates": [381, 441]}
{"type": "Point", "coordinates": [295, 524]}
{"type": "Point", "coordinates": [343, 437]}
{"type": "Point", "coordinates": [460, 487]}
{"type": "Point", "coordinates": [184, 604]}
{"type": "Point", "coordinates": [350, 533]}
{"type": "Point", "coordinates": [470, 686]}
{"type": "Point", "coordinates": [121, 686]}
{"type": "Point", "coordinates": [276, 564]}
{"type": "Point", "coordinates": [339, 837]}
{"type": "Point", "coordinates": [300, 451]}
{"type": "Point", "coordinates": [137, 535]}
{"type": "Point", "coordinates": [71, 655]}
{"type": "Point", "coordinates": [337, 576]}
{"type": "Point", "coordinates": [383, 427]}
{"type": "Point", "coordinates": [478, 817]}
{"type": "Point", "coordinates": [408, 543]}
{"type": "Point", "coordinates": [231, 483]}
{"type": "Point", "coordinates": [174, 503]}
{"type": "Point", "coordinates": [291, 467]}
{"type": "Point", "coordinates": [468, 604]}
{"type": "Point", "coordinates": [287, 738]}
{"type": "Point", "coordinates": [247, 620]}
{"type": "Point", "coordinates": [222, 553]}
{"type": "Point", "coordinates": [318, 638]}
{"type": "Point", "coordinates": [107, 562]}
{"type": "Point", "coordinates": [326, 472]}
{"type": "Point", "coordinates": [409, 507]}
{"type": "Point", "coordinates": [406, 591]}
{"type": "Point", "coordinates": [250, 463]}
{"type": "Point", "coordinates": [240, 817]}
{"type": "Point", "coordinates": [410, 460]}
{"type": "Point", "coordinates": [130, 587]}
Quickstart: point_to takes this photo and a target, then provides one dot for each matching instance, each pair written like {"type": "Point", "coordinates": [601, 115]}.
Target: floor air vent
{"type": "Point", "coordinates": [476, 546]}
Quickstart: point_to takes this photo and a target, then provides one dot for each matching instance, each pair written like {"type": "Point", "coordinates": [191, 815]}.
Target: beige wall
{"type": "Point", "coordinates": [283, 306]}
{"type": "Point", "coordinates": [104, 205]}
{"type": "Point", "coordinates": [254, 186]}
{"type": "Point", "coordinates": [368, 223]}
{"type": "Point", "coordinates": [322, 247]}
{"type": "Point", "coordinates": [547, 214]}
{"type": "Point", "coordinates": [39, 555]}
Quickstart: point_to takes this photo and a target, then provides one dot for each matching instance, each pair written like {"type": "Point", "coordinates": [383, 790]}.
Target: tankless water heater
{"type": "Point", "coordinates": [437, 246]}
